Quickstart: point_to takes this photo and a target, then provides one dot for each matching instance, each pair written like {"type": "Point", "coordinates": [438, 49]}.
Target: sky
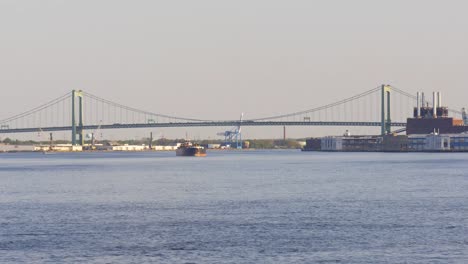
{"type": "Point", "coordinates": [216, 59]}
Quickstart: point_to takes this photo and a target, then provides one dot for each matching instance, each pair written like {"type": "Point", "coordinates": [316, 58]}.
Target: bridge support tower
{"type": "Point", "coordinates": [77, 130]}
{"type": "Point", "coordinates": [385, 110]}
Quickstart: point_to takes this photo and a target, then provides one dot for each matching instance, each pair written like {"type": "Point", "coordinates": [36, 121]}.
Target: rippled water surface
{"type": "Point", "coordinates": [234, 207]}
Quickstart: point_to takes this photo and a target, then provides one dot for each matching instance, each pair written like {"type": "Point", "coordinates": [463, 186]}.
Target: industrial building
{"type": "Point", "coordinates": [416, 143]}
{"type": "Point", "coordinates": [429, 119]}
{"type": "Point", "coordinates": [391, 143]}
{"type": "Point", "coordinates": [351, 143]}
{"type": "Point", "coordinates": [429, 130]}
{"type": "Point", "coordinates": [439, 142]}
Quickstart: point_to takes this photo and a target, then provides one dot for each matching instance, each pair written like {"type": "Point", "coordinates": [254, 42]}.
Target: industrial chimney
{"type": "Point", "coordinates": [434, 104]}
{"type": "Point", "coordinates": [418, 104]}
{"type": "Point", "coordinates": [423, 100]}
{"type": "Point", "coordinates": [439, 99]}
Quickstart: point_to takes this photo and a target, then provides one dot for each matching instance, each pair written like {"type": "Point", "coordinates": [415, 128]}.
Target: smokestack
{"type": "Point", "coordinates": [423, 100]}
{"type": "Point", "coordinates": [418, 104]}
{"type": "Point", "coordinates": [439, 99]}
{"type": "Point", "coordinates": [434, 104]}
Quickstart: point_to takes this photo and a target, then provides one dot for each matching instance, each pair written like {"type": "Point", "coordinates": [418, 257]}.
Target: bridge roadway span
{"type": "Point", "coordinates": [202, 124]}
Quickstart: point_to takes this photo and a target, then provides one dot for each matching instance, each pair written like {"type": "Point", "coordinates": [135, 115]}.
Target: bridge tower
{"type": "Point", "coordinates": [385, 110]}
{"type": "Point", "coordinates": [77, 129]}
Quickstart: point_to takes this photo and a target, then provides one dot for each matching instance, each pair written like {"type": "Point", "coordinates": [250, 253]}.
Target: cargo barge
{"type": "Point", "coordinates": [190, 150]}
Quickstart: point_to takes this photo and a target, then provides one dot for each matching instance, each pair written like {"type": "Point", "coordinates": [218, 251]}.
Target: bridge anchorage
{"type": "Point", "coordinates": [385, 107]}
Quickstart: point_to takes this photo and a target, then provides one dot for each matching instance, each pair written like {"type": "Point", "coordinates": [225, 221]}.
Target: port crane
{"type": "Point", "coordinates": [93, 136]}
{"type": "Point", "coordinates": [234, 135]}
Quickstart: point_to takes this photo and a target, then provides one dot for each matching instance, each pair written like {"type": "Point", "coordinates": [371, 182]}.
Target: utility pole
{"type": "Point", "coordinates": [151, 141]}
{"type": "Point", "coordinates": [93, 142]}
{"type": "Point", "coordinates": [284, 134]}
{"type": "Point", "coordinates": [51, 141]}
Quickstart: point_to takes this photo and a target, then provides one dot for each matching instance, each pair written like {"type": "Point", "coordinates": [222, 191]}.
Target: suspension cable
{"type": "Point", "coordinates": [321, 107]}
{"type": "Point", "coordinates": [36, 109]}
{"type": "Point", "coordinates": [117, 105]}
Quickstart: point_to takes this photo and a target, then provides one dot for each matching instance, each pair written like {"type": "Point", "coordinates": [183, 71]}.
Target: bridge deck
{"type": "Point", "coordinates": [203, 124]}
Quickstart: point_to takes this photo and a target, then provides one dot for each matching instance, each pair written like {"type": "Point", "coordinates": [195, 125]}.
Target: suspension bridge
{"type": "Point", "coordinates": [384, 106]}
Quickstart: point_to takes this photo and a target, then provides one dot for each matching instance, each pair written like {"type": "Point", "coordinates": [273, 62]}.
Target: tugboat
{"type": "Point", "coordinates": [189, 149]}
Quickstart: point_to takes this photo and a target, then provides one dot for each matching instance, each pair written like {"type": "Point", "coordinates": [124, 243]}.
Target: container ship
{"type": "Point", "coordinates": [189, 149]}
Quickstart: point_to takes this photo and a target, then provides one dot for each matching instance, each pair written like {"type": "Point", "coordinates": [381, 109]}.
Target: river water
{"type": "Point", "coordinates": [234, 207]}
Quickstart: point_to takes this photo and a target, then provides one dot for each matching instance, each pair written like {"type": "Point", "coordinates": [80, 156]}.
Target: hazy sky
{"type": "Point", "coordinates": [258, 57]}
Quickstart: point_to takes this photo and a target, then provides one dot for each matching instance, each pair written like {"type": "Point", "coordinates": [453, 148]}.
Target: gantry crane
{"type": "Point", "coordinates": [93, 136]}
{"type": "Point", "coordinates": [234, 135]}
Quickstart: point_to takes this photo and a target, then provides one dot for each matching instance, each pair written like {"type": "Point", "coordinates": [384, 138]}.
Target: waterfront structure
{"type": "Point", "coordinates": [430, 129]}
{"type": "Point", "coordinates": [433, 118]}
{"type": "Point", "coordinates": [352, 143]}
{"type": "Point", "coordinates": [436, 142]}
{"type": "Point", "coordinates": [395, 143]}
{"type": "Point", "coordinates": [433, 142]}
{"type": "Point", "coordinates": [313, 144]}
{"type": "Point", "coordinates": [331, 143]}
{"type": "Point", "coordinates": [416, 142]}
{"type": "Point", "coordinates": [459, 142]}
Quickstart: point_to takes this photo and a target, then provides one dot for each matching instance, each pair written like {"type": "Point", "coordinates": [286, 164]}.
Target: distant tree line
{"type": "Point", "coordinates": [254, 143]}
{"type": "Point", "coordinates": [9, 141]}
